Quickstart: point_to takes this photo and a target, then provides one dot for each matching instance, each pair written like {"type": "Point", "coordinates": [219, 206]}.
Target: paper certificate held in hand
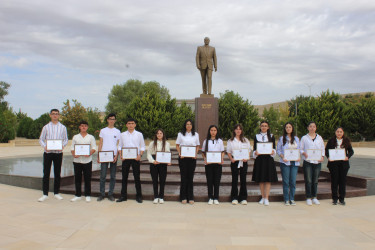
{"type": "Point", "coordinates": [54, 145]}
{"type": "Point", "coordinates": [164, 157]}
{"type": "Point", "coordinates": [129, 153]}
{"type": "Point", "coordinates": [213, 157]}
{"type": "Point", "coordinates": [106, 156]}
{"type": "Point", "coordinates": [189, 151]}
{"type": "Point", "coordinates": [291, 154]}
{"type": "Point", "coordinates": [241, 154]}
{"type": "Point", "coordinates": [264, 148]}
{"type": "Point", "coordinates": [82, 149]}
{"type": "Point", "coordinates": [337, 154]}
{"type": "Point", "coordinates": [314, 154]}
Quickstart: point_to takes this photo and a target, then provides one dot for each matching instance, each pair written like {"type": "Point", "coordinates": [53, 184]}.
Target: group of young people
{"type": "Point", "coordinates": [264, 172]}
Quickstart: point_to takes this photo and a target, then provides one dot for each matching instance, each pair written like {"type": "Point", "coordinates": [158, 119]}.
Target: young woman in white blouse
{"type": "Point", "coordinates": [158, 170]}
{"type": "Point", "coordinates": [187, 137]}
{"type": "Point", "coordinates": [311, 167]}
{"type": "Point", "coordinates": [238, 142]}
{"type": "Point", "coordinates": [213, 170]}
{"type": "Point", "coordinates": [289, 169]}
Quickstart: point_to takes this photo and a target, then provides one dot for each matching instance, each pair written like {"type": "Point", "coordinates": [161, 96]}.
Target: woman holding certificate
{"type": "Point", "coordinates": [264, 166]}
{"type": "Point", "coordinates": [187, 145]}
{"type": "Point", "coordinates": [213, 153]}
{"type": "Point", "coordinates": [338, 150]}
{"type": "Point", "coordinates": [158, 167]}
{"type": "Point", "coordinates": [288, 149]}
{"type": "Point", "coordinates": [238, 149]}
{"type": "Point", "coordinates": [312, 148]}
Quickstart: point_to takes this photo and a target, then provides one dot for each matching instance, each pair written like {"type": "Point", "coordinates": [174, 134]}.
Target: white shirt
{"type": "Point", "coordinates": [339, 142]}
{"type": "Point", "coordinates": [308, 143]}
{"type": "Point", "coordinates": [79, 139]}
{"type": "Point", "coordinates": [236, 145]}
{"type": "Point", "coordinates": [213, 145]}
{"type": "Point", "coordinates": [188, 139]}
{"type": "Point", "coordinates": [53, 131]}
{"type": "Point", "coordinates": [281, 148]}
{"type": "Point", "coordinates": [262, 137]}
{"type": "Point", "coordinates": [110, 138]}
{"type": "Point", "coordinates": [159, 147]}
{"type": "Point", "coordinates": [132, 140]}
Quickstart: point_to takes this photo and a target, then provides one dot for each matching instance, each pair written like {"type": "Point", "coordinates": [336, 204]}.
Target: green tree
{"type": "Point", "coordinates": [277, 117]}
{"type": "Point", "coordinates": [24, 126]}
{"type": "Point", "coordinates": [3, 92]}
{"type": "Point", "coordinates": [295, 102]}
{"type": "Point", "coordinates": [8, 121]}
{"type": "Point", "coordinates": [94, 121]}
{"type": "Point", "coordinates": [71, 115]}
{"type": "Point", "coordinates": [234, 109]}
{"type": "Point", "coordinates": [37, 126]}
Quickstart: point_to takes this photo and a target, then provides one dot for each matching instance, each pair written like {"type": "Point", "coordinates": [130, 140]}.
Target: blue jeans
{"type": "Point", "coordinates": [103, 175]}
{"type": "Point", "coordinates": [311, 173]}
{"type": "Point", "coordinates": [289, 175]}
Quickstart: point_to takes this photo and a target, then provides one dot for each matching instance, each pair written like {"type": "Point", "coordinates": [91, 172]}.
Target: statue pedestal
{"type": "Point", "coordinates": [206, 114]}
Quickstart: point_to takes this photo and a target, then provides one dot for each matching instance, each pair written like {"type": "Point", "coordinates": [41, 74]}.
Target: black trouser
{"type": "Point", "coordinates": [213, 175]}
{"type": "Point", "coordinates": [136, 173]}
{"type": "Point", "coordinates": [338, 180]}
{"type": "Point", "coordinates": [86, 169]}
{"type": "Point", "coordinates": [243, 189]}
{"type": "Point", "coordinates": [158, 174]}
{"type": "Point", "coordinates": [56, 158]}
{"type": "Point", "coordinates": [187, 169]}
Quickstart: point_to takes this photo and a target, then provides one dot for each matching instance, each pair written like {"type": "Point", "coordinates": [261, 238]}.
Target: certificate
{"type": "Point", "coordinates": [241, 154]}
{"type": "Point", "coordinates": [106, 156]}
{"type": "Point", "coordinates": [264, 148]}
{"type": "Point", "coordinates": [189, 151]}
{"type": "Point", "coordinates": [82, 149]}
{"type": "Point", "coordinates": [337, 154]}
{"type": "Point", "coordinates": [314, 154]}
{"type": "Point", "coordinates": [54, 145]}
{"type": "Point", "coordinates": [164, 157]}
{"type": "Point", "coordinates": [129, 153]}
{"type": "Point", "coordinates": [213, 157]}
{"type": "Point", "coordinates": [291, 154]}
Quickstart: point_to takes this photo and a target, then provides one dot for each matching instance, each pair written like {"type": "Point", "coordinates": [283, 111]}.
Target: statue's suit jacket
{"type": "Point", "coordinates": [206, 57]}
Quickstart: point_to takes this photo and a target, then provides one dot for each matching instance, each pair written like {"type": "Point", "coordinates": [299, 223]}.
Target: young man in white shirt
{"type": "Point", "coordinates": [130, 139]}
{"type": "Point", "coordinates": [109, 138]}
{"type": "Point", "coordinates": [83, 163]}
{"type": "Point", "coordinates": [54, 130]}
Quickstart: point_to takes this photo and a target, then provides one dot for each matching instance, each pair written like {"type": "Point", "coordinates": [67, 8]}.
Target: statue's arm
{"type": "Point", "coordinates": [197, 59]}
{"type": "Point", "coordinates": [215, 60]}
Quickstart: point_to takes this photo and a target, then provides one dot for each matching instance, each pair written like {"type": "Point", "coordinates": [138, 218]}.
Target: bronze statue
{"type": "Point", "coordinates": [206, 60]}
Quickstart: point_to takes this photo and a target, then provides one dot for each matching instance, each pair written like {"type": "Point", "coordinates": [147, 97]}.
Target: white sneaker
{"type": "Point", "coordinates": [43, 198]}
{"type": "Point", "coordinates": [293, 203]}
{"type": "Point", "coordinates": [315, 201]}
{"type": "Point", "coordinates": [76, 198]}
{"type": "Point", "coordinates": [210, 201]}
{"type": "Point", "coordinates": [88, 198]}
{"type": "Point", "coordinates": [161, 201]}
{"type": "Point", "coordinates": [266, 202]}
{"type": "Point", "coordinates": [309, 202]}
{"type": "Point", "coordinates": [261, 202]}
{"type": "Point", "coordinates": [59, 197]}
{"type": "Point", "coordinates": [216, 202]}
{"type": "Point", "coordinates": [286, 203]}
{"type": "Point", "coordinates": [234, 202]}
{"type": "Point", "coordinates": [244, 202]}
{"type": "Point", "coordinates": [156, 200]}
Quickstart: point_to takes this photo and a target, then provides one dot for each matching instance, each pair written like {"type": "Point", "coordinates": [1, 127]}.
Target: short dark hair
{"type": "Point", "coordinates": [130, 119]}
{"type": "Point", "coordinates": [54, 110]}
{"type": "Point", "coordinates": [111, 115]}
{"type": "Point", "coordinates": [83, 122]}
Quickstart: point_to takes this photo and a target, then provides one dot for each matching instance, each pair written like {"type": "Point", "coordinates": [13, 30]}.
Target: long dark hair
{"type": "Point", "coordinates": [184, 127]}
{"type": "Point", "coordinates": [208, 137]}
{"type": "Point", "coordinates": [345, 140]}
{"type": "Point", "coordinates": [285, 134]}
{"type": "Point", "coordinates": [268, 130]}
{"type": "Point", "coordinates": [156, 140]}
{"type": "Point", "coordinates": [242, 137]}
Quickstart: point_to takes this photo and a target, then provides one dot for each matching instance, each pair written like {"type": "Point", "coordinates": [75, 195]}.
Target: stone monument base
{"type": "Point", "coordinates": [206, 114]}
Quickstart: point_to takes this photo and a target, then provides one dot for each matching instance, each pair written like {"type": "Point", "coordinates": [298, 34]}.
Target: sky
{"type": "Point", "coordinates": [267, 51]}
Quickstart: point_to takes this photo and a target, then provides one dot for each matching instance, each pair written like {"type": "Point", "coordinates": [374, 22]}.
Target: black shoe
{"type": "Point", "coordinates": [334, 202]}
{"type": "Point", "coordinates": [100, 198]}
{"type": "Point", "coordinates": [111, 198]}
{"type": "Point", "coordinates": [139, 199]}
{"type": "Point", "coordinates": [121, 199]}
{"type": "Point", "coordinates": [342, 203]}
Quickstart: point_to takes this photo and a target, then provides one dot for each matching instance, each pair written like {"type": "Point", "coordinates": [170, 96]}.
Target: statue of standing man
{"type": "Point", "coordinates": [206, 61]}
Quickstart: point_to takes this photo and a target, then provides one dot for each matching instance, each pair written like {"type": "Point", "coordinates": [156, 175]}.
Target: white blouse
{"type": "Point", "coordinates": [213, 145]}
{"type": "Point", "coordinates": [308, 143]}
{"type": "Point", "coordinates": [188, 139]}
{"type": "Point", "coordinates": [159, 147]}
